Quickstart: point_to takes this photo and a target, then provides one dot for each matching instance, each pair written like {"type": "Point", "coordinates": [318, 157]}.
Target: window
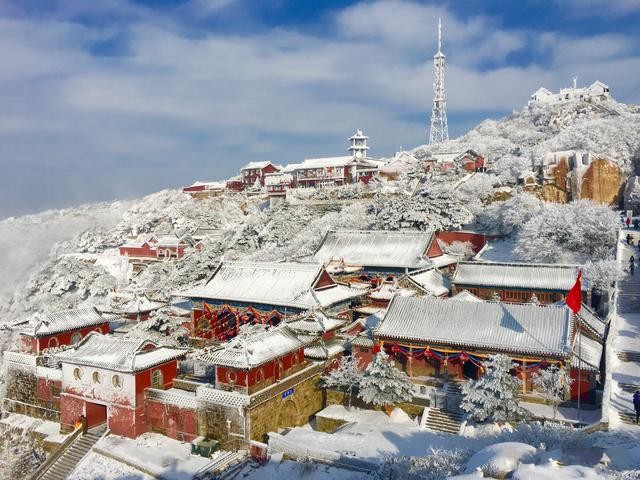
{"type": "Point", "coordinates": [294, 359]}
{"type": "Point", "coordinates": [260, 375]}
{"type": "Point", "coordinates": [53, 342]}
{"type": "Point", "coordinates": [75, 338]}
{"type": "Point", "coordinates": [77, 373]}
{"type": "Point", "coordinates": [231, 376]}
{"type": "Point", "coordinates": [116, 381]}
{"type": "Point", "coordinates": [156, 379]}
{"type": "Point", "coordinates": [96, 377]}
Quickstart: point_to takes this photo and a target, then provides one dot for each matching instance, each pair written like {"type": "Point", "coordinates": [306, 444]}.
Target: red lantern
{"type": "Point", "coordinates": [395, 348]}
{"type": "Point", "coordinates": [376, 348]}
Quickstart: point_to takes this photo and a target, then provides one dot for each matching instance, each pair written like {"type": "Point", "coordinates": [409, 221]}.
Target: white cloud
{"type": "Point", "coordinates": [176, 100]}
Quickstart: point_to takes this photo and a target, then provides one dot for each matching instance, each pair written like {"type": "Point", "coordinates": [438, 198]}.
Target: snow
{"type": "Point", "coordinates": [279, 470]}
{"type": "Point", "coordinates": [500, 459]}
{"type": "Point", "coordinates": [95, 466]}
{"type": "Point", "coordinates": [361, 416]}
{"type": "Point", "coordinates": [551, 471]}
{"type": "Point", "coordinates": [152, 452]}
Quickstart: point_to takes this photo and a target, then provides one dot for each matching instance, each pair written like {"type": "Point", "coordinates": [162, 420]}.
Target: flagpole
{"type": "Point", "coordinates": [579, 363]}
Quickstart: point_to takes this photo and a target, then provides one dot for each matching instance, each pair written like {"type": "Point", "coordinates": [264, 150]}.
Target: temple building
{"type": "Point", "coordinates": [263, 292]}
{"type": "Point", "coordinates": [254, 172]}
{"type": "Point", "coordinates": [431, 337]}
{"type": "Point", "coordinates": [377, 251]}
{"type": "Point", "coordinates": [262, 383]}
{"type": "Point", "coordinates": [54, 330]}
{"type": "Point", "coordinates": [468, 160]}
{"type": "Point", "coordinates": [517, 282]}
{"type": "Point", "coordinates": [104, 378]}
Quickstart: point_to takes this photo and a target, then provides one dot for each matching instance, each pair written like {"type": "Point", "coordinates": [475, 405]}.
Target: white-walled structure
{"type": "Point", "coordinates": [596, 92]}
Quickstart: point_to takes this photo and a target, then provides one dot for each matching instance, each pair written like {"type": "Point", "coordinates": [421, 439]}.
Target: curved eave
{"type": "Point", "coordinates": [474, 347]}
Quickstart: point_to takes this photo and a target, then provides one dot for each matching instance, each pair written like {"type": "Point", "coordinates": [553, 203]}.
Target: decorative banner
{"type": "Point", "coordinates": [446, 357]}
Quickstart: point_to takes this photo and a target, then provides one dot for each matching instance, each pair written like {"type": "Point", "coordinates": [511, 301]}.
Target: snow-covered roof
{"type": "Point", "coordinates": [324, 350]}
{"type": "Point", "coordinates": [315, 321]}
{"type": "Point", "coordinates": [42, 325]}
{"type": "Point", "coordinates": [444, 260]}
{"type": "Point", "coordinates": [516, 275]}
{"type": "Point", "coordinates": [267, 283]}
{"type": "Point", "coordinates": [254, 165]}
{"type": "Point", "coordinates": [491, 326]}
{"type": "Point", "coordinates": [590, 320]}
{"type": "Point", "coordinates": [138, 303]}
{"type": "Point", "coordinates": [113, 353]}
{"type": "Point", "coordinates": [376, 248]}
{"type": "Point", "coordinates": [431, 281]}
{"type": "Point", "coordinates": [251, 350]}
{"type": "Point", "coordinates": [208, 185]}
{"type": "Point", "coordinates": [387, 290]}
{"type": "Point", "coordinates": [466, 296]}
{"type": "Point", "coordinates": [202, 232]}
{"type": "Point", "coordinates": [169, 241]}
{"type": "Point", "coordinates": [324, 162]}
{"type": "Point", "coordinates": [278, 178]}
{"type": "Point", "coordinates": [587, 353]}
{"type": "Point", "coordinates": [450, 157]}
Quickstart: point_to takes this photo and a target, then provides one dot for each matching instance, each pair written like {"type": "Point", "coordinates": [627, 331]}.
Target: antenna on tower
{"type": "Point", "coordinates": [575, 82]}
{"type": "Point", "coordinates": [439, 129]}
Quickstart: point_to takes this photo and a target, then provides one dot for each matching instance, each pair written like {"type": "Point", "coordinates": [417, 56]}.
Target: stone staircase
{"type": "Point", "coordinates": [439, 420]}
{"type": "Point", "coordinates": [628, 356]}
{"type": "Point", "coordinates": [65, 461]}
{"type": "Point", "coordinates": [628, 418]}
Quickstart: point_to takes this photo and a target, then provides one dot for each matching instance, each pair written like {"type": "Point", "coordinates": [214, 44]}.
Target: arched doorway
{"type": "Point", "coordinates": [288, 414]}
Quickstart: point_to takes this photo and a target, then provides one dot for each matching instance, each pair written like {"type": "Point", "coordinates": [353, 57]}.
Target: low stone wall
{"type": "Point", "coordinates": [328, 425]}
{"type": "Point", "coordinates": [337, 397]}
{"type": "Point", "coordinates": [22, 395]}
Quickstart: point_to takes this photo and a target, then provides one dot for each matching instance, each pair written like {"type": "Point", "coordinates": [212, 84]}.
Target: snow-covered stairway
{"type": "Point", "coordinates": [441, 421]}
{"type": "Point", "coordinates": [71, 456]}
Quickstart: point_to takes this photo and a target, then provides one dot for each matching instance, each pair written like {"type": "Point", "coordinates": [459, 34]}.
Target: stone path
{"type": "Point", "coordinates": [625, 338]}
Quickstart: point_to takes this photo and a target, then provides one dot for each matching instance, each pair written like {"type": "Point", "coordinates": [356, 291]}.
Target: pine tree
{"type": "Point", "coordinates": [347, 375]}
{"type": "Point", "coordinates": [554, 383]}
{"type": "Point", "coordinates": [494, 396]}
{"type": "Point", "coordinates": [383, 384]}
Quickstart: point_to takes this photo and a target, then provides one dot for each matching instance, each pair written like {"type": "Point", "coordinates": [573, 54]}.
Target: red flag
{"type": "Point", "coordinates": [574, 297]}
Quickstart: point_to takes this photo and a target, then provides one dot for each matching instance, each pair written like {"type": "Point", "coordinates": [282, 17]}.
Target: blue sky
{"type": "Point", "coordinates": [116, 99]}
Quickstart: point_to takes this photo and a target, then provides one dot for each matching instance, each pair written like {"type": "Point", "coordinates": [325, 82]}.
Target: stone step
{"type": "Point", "coordinates": [440, 421]}
{"type": "Point", "coordinates": [629, 387]}
{"type": "Point", "coordinates": [628, 418]}
{"type": "Point", "coordinates": [628, 356]}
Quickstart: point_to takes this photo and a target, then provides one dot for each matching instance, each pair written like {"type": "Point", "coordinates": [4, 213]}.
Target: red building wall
{"type": "Point", "coordinates": [145, 251]}
{"type": "Point", "coordinates": [64, 338]}
{"type": "Point", "coordinates": [478, 240]}
{"type": "Point", "coordinates": [171, 420]}
{"type": "Point", "coordinates": [587, 387]}
{"type": "Point", "coordinates": [143, 379]}
{"type": "Point", "coordinates": [434, 249]}
{"type": "Point", "coordinates": [49, 390]}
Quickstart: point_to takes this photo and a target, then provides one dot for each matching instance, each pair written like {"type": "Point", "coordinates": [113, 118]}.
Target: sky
{"type": "Point", "coordinates": [101, 100]}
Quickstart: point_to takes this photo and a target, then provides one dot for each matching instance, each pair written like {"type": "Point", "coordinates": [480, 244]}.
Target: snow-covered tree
{"type": "Point", "coordinates": [347, 375]}
{"type": "Point", "coordinates": [576, 231]}
{"type": "Point", "coordinates": [554, 382]}
{"type": "Point", "coordinates": [431, 209]}
{"type": "Point", "coordinates": [463, 250]}
{"type": "Point", "coordinates": [601, 274]}
{"type": "Point", "coordinates": [510, 167]}
{"type": "Point", "coordinates": [509, 216]}
{"type": "Point", "coordinates": [494, 396]}
{"type": "Point", "coordinates": [383, 384]}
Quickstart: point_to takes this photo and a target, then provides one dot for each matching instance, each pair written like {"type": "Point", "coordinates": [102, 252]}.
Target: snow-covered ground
{"type": "Point", "coordinates": [152, 452]}
{"type": "Point", "coordinates": [625, 337]}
